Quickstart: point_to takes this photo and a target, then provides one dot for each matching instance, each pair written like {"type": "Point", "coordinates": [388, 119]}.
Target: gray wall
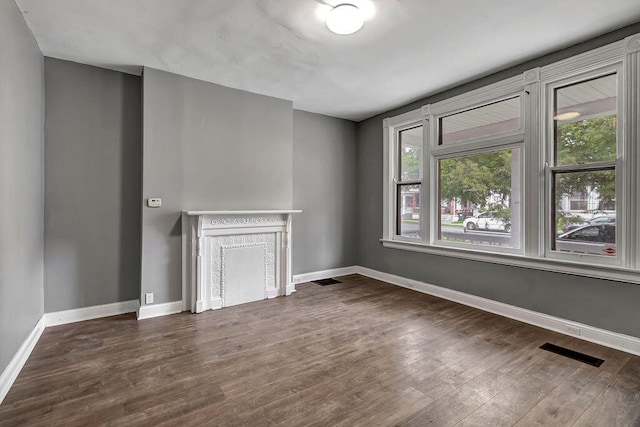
{"type": "Point", "coordinates": [605, 304]}
{"type": "Point", "coordinates": [324, 187]}
{"type": "Point", "coordinates": [21, 182]}
{"type": "Point", "coordinates": [206, 147]}
{"type": "Point", "coordinates": [92, 186]}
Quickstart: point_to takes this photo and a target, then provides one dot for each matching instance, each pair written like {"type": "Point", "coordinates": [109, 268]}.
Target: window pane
{"type": "Point", "coordinates": [480, 199]}
{"type": "Point", "coordinates": [586, 212]}
{"type": "Point", "coordinates": [410, 153]}
{"type": "Point", "coordinates": [408, 214]}
{"type": "Point", "coordinates": [586, 121]}
{"type": "Point", "coordinates": [491, 119]}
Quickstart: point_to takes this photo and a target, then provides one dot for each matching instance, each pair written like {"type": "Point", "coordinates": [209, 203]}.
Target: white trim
{"type": "Point", "coordinates": [157, 310]}
{"type": "Point", "coordinates": [479, 97]}
{"type": "Point", "coordinates": [14, 367]}
{"type": "Point", "coordinates": [633, 43]}
{"type": "Point", "coordinates": [245, 212]}
{"type": "Point", "coordinates": [324, 274]}
{"type": "Point", "coordinates": [583, 269]}
{"type": "Point", "coordinates": [88, 313]}
{"type": "Point", "coordinates": [535, 86]}
{"type": "Point", "coordinates": [614, 340]}
{"type": "Point", "coordinates": [205, 233]}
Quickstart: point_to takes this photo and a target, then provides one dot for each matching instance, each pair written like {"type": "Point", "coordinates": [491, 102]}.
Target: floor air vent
{"type": "Point", "coordinates": [584, 358]}
{"type": "Point", "coordinates": [325, 282]}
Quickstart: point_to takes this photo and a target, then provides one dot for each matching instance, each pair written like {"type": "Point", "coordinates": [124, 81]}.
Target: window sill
{"type": "Point", "coordinates": [617, 274]}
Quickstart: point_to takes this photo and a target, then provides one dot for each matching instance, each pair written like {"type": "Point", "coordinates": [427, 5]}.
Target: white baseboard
{"type": "Point", "coordinates": [156, 310]}
{"type": "Point", "coordinates": [588, 333]}
{"type": "Point", "coordinates": [12, 370]}
{"type": "Point", "coordinates": [324, 274]}
{"type": "Point", "coordinates": [87, 313]}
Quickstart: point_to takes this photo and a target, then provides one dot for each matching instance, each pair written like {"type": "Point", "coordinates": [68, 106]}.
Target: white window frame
{"type": "Point", "coordinates": [534, 86]}
{"type": "Point", "coordinates": [501, 141]}
{"type": "Point", "coordinates": [392, 128]}
{"type": "Point", "coordinates": [549, 140]}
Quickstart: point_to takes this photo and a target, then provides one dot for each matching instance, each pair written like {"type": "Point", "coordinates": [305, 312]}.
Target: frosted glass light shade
{"type": "Point", "coordinates": [345, 19]}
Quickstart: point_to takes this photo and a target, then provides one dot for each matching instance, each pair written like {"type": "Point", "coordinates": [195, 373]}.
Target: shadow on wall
{"type": "Point", "coordinates": [130, 188]}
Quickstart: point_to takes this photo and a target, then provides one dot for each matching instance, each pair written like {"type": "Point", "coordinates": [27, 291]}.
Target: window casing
{"type": "Point", "coordinates": [487, 161]}
{"type": "Point", "coordinates": [516, 129]}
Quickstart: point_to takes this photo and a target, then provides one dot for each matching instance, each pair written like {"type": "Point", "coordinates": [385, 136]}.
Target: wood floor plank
{"type": "Point", "coordinates": [619, 403]}
{"type": "Point", "coordinates": [357, 353]}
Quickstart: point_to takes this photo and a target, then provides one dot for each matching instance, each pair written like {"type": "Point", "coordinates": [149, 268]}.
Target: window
{"type": "Point", "coordinates": [409, 182]}
{"type": "Point", "coordinates": [477, 193]}
{"type": "Point", "coordinates": [583, 168]}
{"type": "Point", "coordinates": [538, 171]}
{"type": "Point", "coordinates": [479, 163]}
{"type": "Point", "coordinates": [492, 119]}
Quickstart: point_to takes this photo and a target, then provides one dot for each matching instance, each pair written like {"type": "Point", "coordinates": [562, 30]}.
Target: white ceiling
{"type": "Point", "coordinates": [407, 50]}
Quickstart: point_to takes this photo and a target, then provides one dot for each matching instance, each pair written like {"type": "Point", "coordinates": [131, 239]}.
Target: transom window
{"type": "Point", "coordinates": [491, 119]}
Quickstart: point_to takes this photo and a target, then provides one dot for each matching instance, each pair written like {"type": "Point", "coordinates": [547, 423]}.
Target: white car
{"type": "Point", "coordinates": [595, 239]}
{"type": "Point", "coordinates": [486, 221]}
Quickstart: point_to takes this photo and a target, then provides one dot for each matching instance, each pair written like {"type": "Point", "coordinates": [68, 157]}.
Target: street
{"type": "Point", "coordinates": [479, 237]}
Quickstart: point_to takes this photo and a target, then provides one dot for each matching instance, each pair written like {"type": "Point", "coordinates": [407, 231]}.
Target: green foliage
{"type": "Point", "coordinates": [563, 219]}
{"type": "Point", "coordinates": [586, 141]}
{"type": "Point", "coordinates": [582, 142]}
{"type": "Point", "coordinates": [410, 164]}
{"type": "Point", "coordinates": [501, 211]}
{"type": "Point", "coordinates": [476, 178]}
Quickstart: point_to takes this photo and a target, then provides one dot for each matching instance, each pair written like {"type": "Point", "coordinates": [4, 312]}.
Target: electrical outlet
{"type": "Point", "coordinates": [573, 330]}
{"type": "Point", "coordinates": [154, 202]}
{"type": "Point", "coordinates": [148, 298]}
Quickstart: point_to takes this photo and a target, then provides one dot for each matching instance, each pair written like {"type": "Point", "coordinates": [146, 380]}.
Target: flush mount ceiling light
{"type": "Point", "coordinates": [567, 116]}
{"type": "Point", "coordinates": [345, 18]}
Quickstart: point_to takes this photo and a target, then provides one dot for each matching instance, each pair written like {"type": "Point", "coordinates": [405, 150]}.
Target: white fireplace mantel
{"type": "Point", "coordinates": [233, 257]}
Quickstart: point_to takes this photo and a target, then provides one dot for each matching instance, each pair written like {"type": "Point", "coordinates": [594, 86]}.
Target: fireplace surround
{"type": "Point", "coordinates": [235, 257]}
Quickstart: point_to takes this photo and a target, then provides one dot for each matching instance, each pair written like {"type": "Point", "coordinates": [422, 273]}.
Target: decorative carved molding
{"type": "Point", "coordinates": [633, 43]}
{"type": "Point", "coordinates": [246, 220]}
{"type": "Point", "coordinates": [531, 76]}
{"type": "Point", "coordinates": [206, 236]}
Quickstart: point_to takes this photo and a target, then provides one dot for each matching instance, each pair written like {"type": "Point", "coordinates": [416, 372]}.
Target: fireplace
{"type": "Point", "coordinates": [234, 257]}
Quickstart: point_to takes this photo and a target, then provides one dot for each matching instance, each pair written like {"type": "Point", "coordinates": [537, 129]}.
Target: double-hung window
{"type": "Point", "coordinates": [408, 188]}
{"type": "Point", "coordinates": [583, 169]}
{"type": "Point", "coordinates": [540, 170]}
{"type": "Point", "coordinates": [404, 171]}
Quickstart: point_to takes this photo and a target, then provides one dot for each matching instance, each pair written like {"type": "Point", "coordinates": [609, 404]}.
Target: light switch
{"type": "Point", "coordinates": [154, 202]}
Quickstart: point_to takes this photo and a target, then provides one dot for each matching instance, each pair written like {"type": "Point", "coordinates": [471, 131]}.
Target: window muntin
{"type": "Point", "coordinates": [408, 182]}
{"type": "Point", "coordinates": [487, 120]}
{"type": "Point", "coordinates": [477, 194]}
{"type": "Point", "coordinates": [583, 175]}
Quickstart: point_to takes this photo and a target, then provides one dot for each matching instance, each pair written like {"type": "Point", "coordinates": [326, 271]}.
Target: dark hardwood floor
{"type": "Point", "coordinates": [359, 353]}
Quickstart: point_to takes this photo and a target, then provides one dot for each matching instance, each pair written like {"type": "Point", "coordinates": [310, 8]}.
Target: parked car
{"type": "Point", "coordinates": [486, 221]}
{"type": "Point", "coordinates": [592, 221]}
{"type": "Point", "coordinates": [595, 239]}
